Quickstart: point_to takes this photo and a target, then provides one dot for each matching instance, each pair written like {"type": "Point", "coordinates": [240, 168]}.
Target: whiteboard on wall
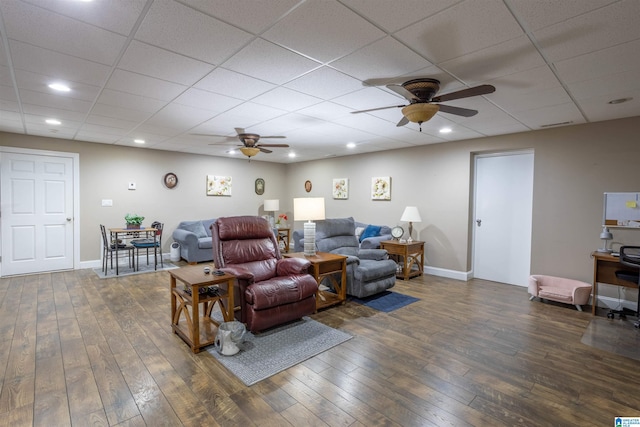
{"type": "Point", "coordinates": [622, 210]}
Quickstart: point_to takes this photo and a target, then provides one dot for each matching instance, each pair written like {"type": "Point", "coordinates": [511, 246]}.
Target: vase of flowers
{"type": "Point", "coordinates": [281, 222]}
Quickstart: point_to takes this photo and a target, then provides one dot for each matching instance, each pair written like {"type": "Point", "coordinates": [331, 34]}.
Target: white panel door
{"type": "Point", "coordinates": [503, 214]}
{"type": "Point", "coordinates": [37, 213]}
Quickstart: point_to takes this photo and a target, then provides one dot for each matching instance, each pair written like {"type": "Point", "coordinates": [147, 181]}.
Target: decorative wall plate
{"type": "Point", "coordinates": [259, 186]}
{"type": "Point", "coordinates": [307, 186]}
{"type": "Point", "coordinates": [170, 180]}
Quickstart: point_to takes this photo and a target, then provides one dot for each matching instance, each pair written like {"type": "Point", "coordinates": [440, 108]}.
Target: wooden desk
{"type": "Point", "coordinates": [604, 271]}
{"type": "Point", "coordinates": [284, 235]}
{"type": "Point", "coordinates": [412, 254]}
{"type": "Point", "coordinates": [132, 233]}
{"type": "Point", "coordinates": [197, 332]}
{"type": "Point", "coordinates": [324, 266]}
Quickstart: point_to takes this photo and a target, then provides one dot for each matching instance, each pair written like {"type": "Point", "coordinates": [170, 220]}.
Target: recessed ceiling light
{"type": "Point", "coordinates": [53, 122]}
{"type": "Point", "coordinates": [292, 155]}
{"type": "Point", "coordinates": [445, 130]}
{"type": "Point", "coordinates": [139, 141]}
{"type": "Point", "coordinates": [619, 101]}
{"type": "Point", "coordinates": [351, 145]}
{"type": "Point", "coordinates": [231, 152]}
{"type": "Point", "coordinates": [60, 87]}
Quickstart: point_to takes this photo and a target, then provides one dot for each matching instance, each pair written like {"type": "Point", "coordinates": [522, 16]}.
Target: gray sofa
{"type": "Point", "coordinates": [194, 238]}
{"type": "Point", "coordinates": [372, 242]}
{"type": "Point", "coordinates": [369, 271]}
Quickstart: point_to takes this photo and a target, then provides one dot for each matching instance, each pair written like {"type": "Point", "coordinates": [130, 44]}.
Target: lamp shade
{"type": "Point", "coordinates": [271, 205]}
{"type": "Point", "coordinates": [411, 214]}
{"type": "Point", "coordinates": [420, 112]}
{"type": "Point", "coordinates": [308, 208]}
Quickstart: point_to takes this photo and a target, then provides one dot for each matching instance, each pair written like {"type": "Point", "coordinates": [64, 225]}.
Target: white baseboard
{"type": "Point", "coordinates": [450, 274]}
{"type": "Point", "coordinates": [97, 263]}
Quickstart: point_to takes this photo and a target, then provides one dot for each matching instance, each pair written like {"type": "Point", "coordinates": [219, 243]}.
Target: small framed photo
{"type": "Point", "coordinates": [381, 188]}
{"type": "Point", "coordinates": [259, 186]}
{"type": "Point", "coordinates": [218, 185]}
{"type": "Point", "coordinates": [340, 188]}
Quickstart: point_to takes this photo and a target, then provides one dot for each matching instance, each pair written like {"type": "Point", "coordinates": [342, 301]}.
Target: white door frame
{"type": "Point", "coordinates": [475, 201]}
{"type": "Point", "coordinates": [75, 158]}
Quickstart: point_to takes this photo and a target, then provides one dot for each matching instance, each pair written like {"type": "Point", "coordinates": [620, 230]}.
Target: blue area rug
{"type": "Point", "coordinates": [386, 301]}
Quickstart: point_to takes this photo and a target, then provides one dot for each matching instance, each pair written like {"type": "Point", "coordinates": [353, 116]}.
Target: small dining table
{"type": "Point", "coordinates": [119, 233]}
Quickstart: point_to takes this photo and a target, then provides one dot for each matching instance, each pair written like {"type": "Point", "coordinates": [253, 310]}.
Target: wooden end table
{"type": "Point", "coordinates": [412, 254]}
{"type": "Point", "coordinates": [196, 331]}
{"type": "Point", "coordinates": [325, 265]}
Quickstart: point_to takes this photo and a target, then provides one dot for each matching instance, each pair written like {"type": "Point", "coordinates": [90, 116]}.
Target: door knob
{"type": "Point", "coordinates": [68, 219]}
{"type": "Point", "coordinates": [479, 222]}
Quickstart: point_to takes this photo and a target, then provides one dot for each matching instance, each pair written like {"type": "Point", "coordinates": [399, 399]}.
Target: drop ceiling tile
{"type": "Point", "coordinates": [61, 67]}
{"type": "Point", "coordinates": [325, 111]}
{"type": "Point", "coordinates": [397, 14]}
{"type": "Point", "coordinates": [137, 84]}
{"type": "Point", "coordinates": [617, 86]}
{"type": "Point", "coordinates": [561, 113]}
{"type": "Point", "coordinates": [92, 136]}
{"type": "Point", "coordinates": [130, 101]}
{"type": "Point", "coordinates": [8, 93]}
{"type": "Point", "coordinates": [54, 101]}
{"type": "Point", "coordinates": [179, 117]}
{"type": "Point", "coordinates": [153, 61]}
{"type": "Point", "coordinates": [540, 14]}
{"type": "Point", "coordinates": [207, 100]}
{"type": "Point", "coordinates": [323, 30]}
{"type": "Point", "coordinates": [371, 97]}
{"type": "Point", "coordinates": [601, 63]}
{"type": "Point", "coordinates": [286, 99]}
{"type": "Point", "coordinates": [46, 131]}
{"type": "Point", "coordinates": [253, 16]}
{"type": "Point", "coordinates": [466, 27]}
{"type": "Point", "coordinates": [600, 29]}
{"type": "Point", "coordinates": [271, 63]}
{"type": "Point", "coordinates": [117, 16]}
{"type": "Point", "coordinates": [233, 84]}
{"type": "Point", "coordinates": [506, 58]}
{"type": "Point", "coordinates": [283, 124]}
{"type": "Point", "coordinates": [42, 28]}
{"type": "Point", "coordinates": [39, 83]}
{"type": "Point", "coordinates": [530, 89]}
{"type": "Point", "coordinates": [254, 113]}
{"type": "Point", "coordinates": [117, 123]}
{"type": "Point", "coordinates": [176, 27]}
{"type": "Point", "coordinates": [325, 83]}
{"type": "Point", "coordinates": [391, 58]}
{"type": "Point", "coordinates": [597, 108]}
{"type": "Point", "coordinates": [54, 112]}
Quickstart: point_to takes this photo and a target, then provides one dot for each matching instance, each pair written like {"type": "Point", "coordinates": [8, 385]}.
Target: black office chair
{"type": "Point", "coordinates": [109, 249]}
{"type": "Point", "coordinates": [629, 257]}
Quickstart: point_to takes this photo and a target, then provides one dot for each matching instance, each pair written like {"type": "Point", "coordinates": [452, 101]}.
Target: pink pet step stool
{"type": "Point", "coordinates": [559, 289]}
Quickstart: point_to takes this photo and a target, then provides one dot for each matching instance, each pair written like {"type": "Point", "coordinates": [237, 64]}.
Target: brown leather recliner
{"type": "Point", "coordinates": [271, 290]}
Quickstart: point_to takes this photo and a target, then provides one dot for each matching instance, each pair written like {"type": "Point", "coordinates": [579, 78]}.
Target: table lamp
{"type": "Point", "coordinates": [272, 206]}
{"type": "Point", "coordinates": [309, 209]}
{"type": "Point", "coordinates": [411, 215]}
{"type": "Point", "coordinates": [605, 236]}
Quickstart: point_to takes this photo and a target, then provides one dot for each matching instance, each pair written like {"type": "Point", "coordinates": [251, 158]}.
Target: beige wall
{"type": "Point", "coordinates": [574, 166]}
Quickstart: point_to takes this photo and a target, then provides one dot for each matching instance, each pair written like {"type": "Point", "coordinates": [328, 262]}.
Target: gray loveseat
{"type": "Point", "coordinates": [369, 271]}
{"type": "Point", "coordinates": [194, 238]}
{"type": "Point", "coordinates": [382, 233]}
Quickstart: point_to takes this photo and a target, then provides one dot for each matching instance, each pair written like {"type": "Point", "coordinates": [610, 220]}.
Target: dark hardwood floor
{"type": "Point", "coordinates": [78, 350]}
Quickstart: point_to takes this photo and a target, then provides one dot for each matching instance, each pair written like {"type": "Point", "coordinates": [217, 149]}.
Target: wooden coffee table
{"type": "Point", "coordinates": [196, 331]}
{"type": "Point", "coordinates": [325, 265]}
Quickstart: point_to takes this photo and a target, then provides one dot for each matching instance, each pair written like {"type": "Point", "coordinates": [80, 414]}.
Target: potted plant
{"type": "Point", "coordinates": [134, 221]}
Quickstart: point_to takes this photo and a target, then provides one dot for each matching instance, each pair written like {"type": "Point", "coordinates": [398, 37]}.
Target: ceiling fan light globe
{"type": "Point", "coordinates": [249, 151]}
{"type": "Point", "coordinates": [420, 112]}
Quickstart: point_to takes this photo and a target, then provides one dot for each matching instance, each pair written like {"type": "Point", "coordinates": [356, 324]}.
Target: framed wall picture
{"type": "Point", "coordinates": [381, 188]}
{"type": "Point", "coordinates": [259, 186]}
{"type": "Point", "coordinates": [307, 186]}
{"type": "Point", "coordinates": [340, 188]}
{"type": "Point", "coordinates": [218, 185]}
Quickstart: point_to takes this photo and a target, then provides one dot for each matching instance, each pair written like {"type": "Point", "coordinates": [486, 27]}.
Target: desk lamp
{"type": "Point", "coordinates": [309, 209]}
{"type": "Point", "coordinates": [411, 215]}
{"type": "Point", "coordinates": [605, 236]}
{"type": "Point", "coordinates": [272, 206]}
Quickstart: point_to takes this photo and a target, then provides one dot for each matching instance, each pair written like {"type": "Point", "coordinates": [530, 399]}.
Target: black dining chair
{"type": "Point", "coordinates": [629, 257]}
{"type": "Point", "coordinates": [149, 243]}
{"type": "Point", "coordinates": [109, 250]}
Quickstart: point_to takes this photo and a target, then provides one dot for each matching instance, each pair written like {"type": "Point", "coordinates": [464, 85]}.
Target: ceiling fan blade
{"type": "Point", "coordinates": [458, 111]}
{"type": "Point", "coordinates": [403, 121]}
{"type": "Point", "coordinates": [272, 136]}
{"type": "Point", "coordinates": [400, 90]}
{"type": "Point", "coordinates": [273, 145]}
{"type": "Point", "coordinates": [239, 130]}
{"type": "Point", "coordinates": [465, 93]}
{"type": "Point", "coordinates": [264, 150]}
{"type": "Point", "coordinates": [376, 109]}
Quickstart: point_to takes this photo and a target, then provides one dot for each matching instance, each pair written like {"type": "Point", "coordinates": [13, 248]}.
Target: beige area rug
{"type": "Point", "coordinates": [613, 335]}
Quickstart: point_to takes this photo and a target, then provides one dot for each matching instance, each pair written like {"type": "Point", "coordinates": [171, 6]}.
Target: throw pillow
{"type": "Point", "coordinates": [370, 231]}
{"type": "Point", "coordinates": [359, 231]}
{"type": "Point", "coordinates": [197, 228]}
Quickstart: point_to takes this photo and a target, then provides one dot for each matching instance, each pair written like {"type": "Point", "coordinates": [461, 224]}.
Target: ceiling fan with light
{"type": "Point", "coordinates": [423, 105]}
{"type": "Point", "coordinates": [250, 146]}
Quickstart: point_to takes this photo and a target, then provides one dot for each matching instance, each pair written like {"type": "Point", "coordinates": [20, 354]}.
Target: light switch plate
{"type": "Point", "coordinates": [107, 202]}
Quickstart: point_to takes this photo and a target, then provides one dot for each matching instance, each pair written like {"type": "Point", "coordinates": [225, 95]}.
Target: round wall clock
{"type": "Point", "coordinates": [397, 232]}
{"type": "Point", "coordinates": [170, 180]}
{"type": "Point", "coordinates": [307, 186]}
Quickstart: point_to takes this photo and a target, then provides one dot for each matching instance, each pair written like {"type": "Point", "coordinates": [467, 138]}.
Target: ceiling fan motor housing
{"type": "Point", "coordinates": [424, 89]}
